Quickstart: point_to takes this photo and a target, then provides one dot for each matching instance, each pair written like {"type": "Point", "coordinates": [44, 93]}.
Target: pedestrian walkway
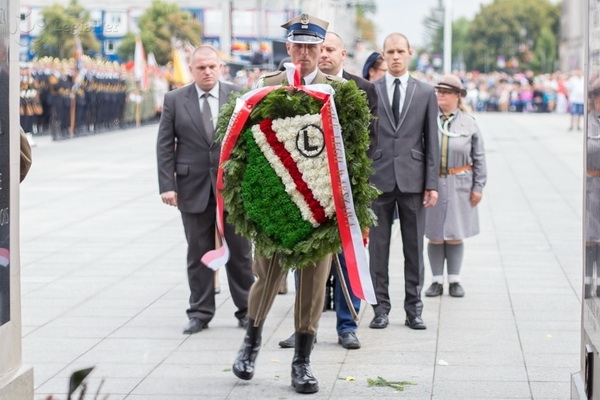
{"type": "Point", "coordinates": [103, 284]}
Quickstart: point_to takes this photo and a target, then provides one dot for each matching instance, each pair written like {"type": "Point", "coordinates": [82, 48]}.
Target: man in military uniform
{"type": "Point", "coordinates": [61, 89]}
{"type": "Point", "coordinates": [41, 74]}
{"type": "Point", "coordinates": [305, 35]}
{"type": "Point", "coordinates": [331, 61]}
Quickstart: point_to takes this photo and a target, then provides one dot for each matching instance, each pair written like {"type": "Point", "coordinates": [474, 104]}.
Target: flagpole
{"type": "Point", "coordinates": [72, 111]}
{"type": "Point", "coordinates": [448, 37]}
{"type": "Point", "coordinates": [138, 106]}
{"type": "Point", "coordinates": [75, 85]}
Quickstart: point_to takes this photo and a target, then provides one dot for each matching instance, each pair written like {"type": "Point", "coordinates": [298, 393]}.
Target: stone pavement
{"type": "Point", "coordinates": [104, 285]}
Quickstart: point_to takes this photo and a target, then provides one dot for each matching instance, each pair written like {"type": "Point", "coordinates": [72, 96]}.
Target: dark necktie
{"type": "Point", "coordinates": [444, 147]}
{"type": "Point", "coordinates": [209, 127]}
{"type": "Point", "coordinates": [396, 100]}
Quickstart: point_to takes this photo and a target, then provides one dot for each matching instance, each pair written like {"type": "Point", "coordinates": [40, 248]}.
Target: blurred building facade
{"type": "Point", "coordinates": [232, 26]}
{"type": "Point", "coordinates": [573, 23]}
{"type": "Point", "coordinates": [242, 27]}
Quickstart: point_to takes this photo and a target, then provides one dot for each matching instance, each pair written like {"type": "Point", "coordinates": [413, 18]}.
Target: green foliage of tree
{"type": "Point", "coordinates": [461, 41]}
{"type": "Point", "coordinates": [434, 34]}
{"type": "Point", "coordinates": [366, 27]}
{"type": "Point", "coordinates": [159, 25]}
{"type": "Point", "coordinates": [434, 29]}
{"type": "Point", "coordinates": [511, 28]}
{"type": "Point", "coordinates": [61, 26]}
{"type": "Point", "coordinates": [546, 54]}
{"type": "Point", "coordinates": [525, 30]}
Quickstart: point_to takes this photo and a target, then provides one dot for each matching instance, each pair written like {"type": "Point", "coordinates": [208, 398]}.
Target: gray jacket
{"type": "Point", "coordinates": [409, 151]}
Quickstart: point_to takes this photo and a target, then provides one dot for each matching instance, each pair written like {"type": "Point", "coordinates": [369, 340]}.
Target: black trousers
{"type": "Point", "coordinates": [200, 234]}
{"type": "Point", "coordinates": [412, 227]}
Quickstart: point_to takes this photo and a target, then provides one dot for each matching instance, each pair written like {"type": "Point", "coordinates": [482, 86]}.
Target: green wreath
{"type": "Point", "coordinates": [250, 186]}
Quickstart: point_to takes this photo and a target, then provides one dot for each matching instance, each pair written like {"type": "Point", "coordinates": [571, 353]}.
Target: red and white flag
{"type": "Point", "coordinates": [139, 64]}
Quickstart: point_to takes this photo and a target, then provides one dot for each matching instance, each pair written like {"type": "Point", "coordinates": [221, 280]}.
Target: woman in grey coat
{"type": "Point", "coordinates": [461, 180]}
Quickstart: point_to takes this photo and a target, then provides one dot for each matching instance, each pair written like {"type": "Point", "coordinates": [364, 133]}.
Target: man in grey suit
{"type": "Point", "coordinates": [406, 173]}
{"type": "Point", "coordinates": [188, 159]}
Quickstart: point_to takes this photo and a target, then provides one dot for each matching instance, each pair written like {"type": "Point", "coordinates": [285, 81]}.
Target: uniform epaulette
{"type": "Point", "coordinates": [273, 78]}
{"type": "Point", "coordinates": [334, 78]}
{"type": "Point", "coordinates": [270, 74]}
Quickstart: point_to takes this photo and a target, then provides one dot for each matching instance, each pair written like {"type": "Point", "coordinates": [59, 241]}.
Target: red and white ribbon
{"type": "Point", "coordinates": [4, 257]}
{"type": "Point", "coordinates": [217, 258]}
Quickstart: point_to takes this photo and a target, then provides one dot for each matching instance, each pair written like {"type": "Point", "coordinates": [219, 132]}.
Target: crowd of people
{"type": "Point", "coordinates": [522, 92]}
{"type": "Point", "coordinates": [428, 159]}
{"type": "Point", "coordinates": [492, 92]}
{"type": "Point", "coordinates": [426, 150]}
{"type": "Point", "coordinates": [429, 163]}
{"type": "Point", "coordinates": [67, 98]}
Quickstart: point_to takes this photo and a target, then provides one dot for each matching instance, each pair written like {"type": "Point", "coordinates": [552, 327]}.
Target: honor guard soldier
{"type": "Point", "coordinates": [305, 34]}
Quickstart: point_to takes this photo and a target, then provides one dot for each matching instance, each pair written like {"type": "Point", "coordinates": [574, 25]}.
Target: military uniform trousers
{"type": "Point", "coordinates": [310, 293]}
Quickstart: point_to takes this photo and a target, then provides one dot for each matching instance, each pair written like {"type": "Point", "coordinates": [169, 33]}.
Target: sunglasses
{"type": "Point", "coordinates": [445, 91]}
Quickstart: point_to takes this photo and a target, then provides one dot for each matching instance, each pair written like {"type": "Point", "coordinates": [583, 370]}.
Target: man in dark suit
{"type": "Point", "coordinates": [188, 159]}
{"type": "Point", "coordinates": [406, 173]}
{"type": "Point", "coordinates": [333, 55]}
{"type": "Point", "coordinates": [331, 62]}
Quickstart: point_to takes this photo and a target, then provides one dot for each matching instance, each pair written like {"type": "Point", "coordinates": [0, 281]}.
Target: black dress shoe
{"type": "Point", "coordinates": [194, 325]}
{"type": "Point", "coordinates": [349, 341]}
{"type": "Point", "coordinates": [455, 290]}
{"type": "Point", "coordinates": [290, 342]}
{"type": "Point", "coordinates": [436, 289]}
{"type": "Point", "coordinates": [379, 322]}
{"type": "Point", "coordinates": [243, 322]}
{"type": "Point", "coordinates": [415, 323]}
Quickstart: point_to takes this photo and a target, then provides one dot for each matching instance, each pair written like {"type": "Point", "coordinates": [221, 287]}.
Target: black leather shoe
{"type": "Point", "coordinates": [455, 290]}
{"type": "Point", "coordinates": [243, 322]}
{"type": "Point", "coordinates": [436, 289]}
{"type": "Point", "coordinates": [415, 323]}
{"type": "Point", "coordinates": [194, 325]}
{"type": "Point", "coordinates": [379, 322]}
{"type": "Point", "coordinates": [290, 342]}
{"type": "Point", "coordinates": [349, 341]}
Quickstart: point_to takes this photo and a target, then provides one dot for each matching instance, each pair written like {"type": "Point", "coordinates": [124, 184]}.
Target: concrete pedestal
{"type": "Point", "coordinates": [18, 386]}
{"type": "Point", "coordinates": [16, 380]}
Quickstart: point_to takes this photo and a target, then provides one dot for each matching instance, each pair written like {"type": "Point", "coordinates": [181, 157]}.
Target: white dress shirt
{"type": "Point", "coordinates": [389, 84]}
{"type": "Point", "coordinates": [213, 102]}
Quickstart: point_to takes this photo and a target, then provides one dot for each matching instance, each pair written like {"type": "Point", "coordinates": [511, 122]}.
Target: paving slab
{"type": "Point", "coordinates": [103, 284]}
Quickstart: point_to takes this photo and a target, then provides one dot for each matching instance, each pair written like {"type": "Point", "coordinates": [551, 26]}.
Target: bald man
{"type": "Point", "coordinates": [188, 159]}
